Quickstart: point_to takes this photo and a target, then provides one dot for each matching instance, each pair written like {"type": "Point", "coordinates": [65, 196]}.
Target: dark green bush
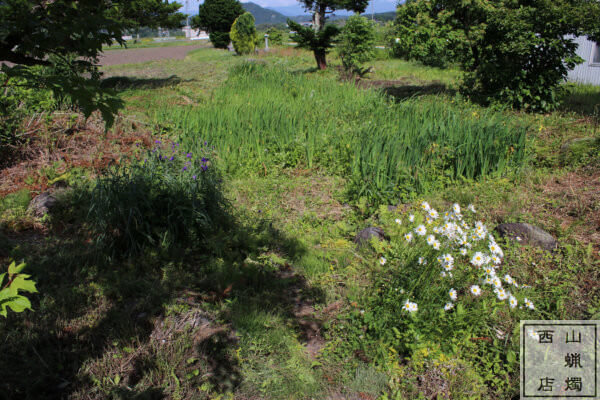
{"type": "Point", "coordinates": [168, 199]}
{"type": "Point", "coordinates": [219, 39]}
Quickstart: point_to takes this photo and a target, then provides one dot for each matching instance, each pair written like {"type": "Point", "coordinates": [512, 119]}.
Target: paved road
{"type": "Point", "coordinates": [132, 56]}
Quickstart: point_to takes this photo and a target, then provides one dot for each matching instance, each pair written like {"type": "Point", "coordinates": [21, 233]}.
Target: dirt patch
{"type": "Point", "coordinates": [134, 56]}
{"type": "Point", "coordinates": [315, 196]}
{"type": "Point", "coordinates": [55, 144]}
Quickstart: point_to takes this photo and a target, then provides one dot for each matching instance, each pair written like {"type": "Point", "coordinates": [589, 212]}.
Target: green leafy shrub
{"type": "Point", "coordinates": [168, 199]}
{"type": "Point", "coordinates": [418, 37]}
{"type": "Point", "coordinates": [356, 44]}
{"type": "Point", "coordinates": [275, 36]}
{"type": "Point", "coordinates": [443, 279]}
{"type": "Point", "coordinates": [512, 52]}
{"type": "Point", "coordinates": [243, 34]}
{"type": "Point", "coordinates": [11, 283]}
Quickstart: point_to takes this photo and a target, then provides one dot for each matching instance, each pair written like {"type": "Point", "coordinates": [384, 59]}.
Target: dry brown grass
{"type": "Point", "coordinates": [63, 141]}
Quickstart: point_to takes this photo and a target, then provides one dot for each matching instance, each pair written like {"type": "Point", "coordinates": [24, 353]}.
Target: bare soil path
{"type": "Point", "coordinates": [133, 56]}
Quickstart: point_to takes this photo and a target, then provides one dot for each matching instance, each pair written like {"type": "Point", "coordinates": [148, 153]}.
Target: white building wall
{"type": "Point", "coordinates": [588, 71]}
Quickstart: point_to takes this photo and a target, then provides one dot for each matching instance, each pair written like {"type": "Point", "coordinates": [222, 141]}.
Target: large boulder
{"type": "Point", "coordinates": [363, 237]}
{"type": "Point", "coordinates": [42, 204]}
{"type": "Point", "coordinates": [528, 234]}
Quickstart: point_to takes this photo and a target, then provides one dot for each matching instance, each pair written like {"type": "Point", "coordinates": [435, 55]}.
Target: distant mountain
{"type": "Point", "coordinates": [263, 15]}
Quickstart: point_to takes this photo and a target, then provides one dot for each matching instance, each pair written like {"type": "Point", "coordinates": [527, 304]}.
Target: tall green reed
{"type": "Point", "coordinates": [267, 116]}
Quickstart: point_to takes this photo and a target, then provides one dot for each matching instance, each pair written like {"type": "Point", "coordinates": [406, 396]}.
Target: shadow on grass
{"type": "Point", "coordinates": [583, 100]}
{"type": "Point", "coordinates": [148, 328]}
{"type": "Point", "coordinates": [125, 82]}
{"type": "Point", "coordinates": [399, 91]}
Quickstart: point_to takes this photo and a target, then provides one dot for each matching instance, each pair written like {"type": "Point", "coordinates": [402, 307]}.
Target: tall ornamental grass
{"type": "Point", "coordinates": [267, 116]}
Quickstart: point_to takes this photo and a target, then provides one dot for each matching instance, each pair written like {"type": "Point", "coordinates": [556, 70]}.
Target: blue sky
{"type": "Point", "coordinates": [292, 7]}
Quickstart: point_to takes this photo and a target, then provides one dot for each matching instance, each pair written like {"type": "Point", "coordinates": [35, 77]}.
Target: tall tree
{"type": "Point", "coordinates": [516, 52]}
{"type": "Point", "coordinates": [67, 36]}
{"type": "Point", "coordinates": [320, 40]}
{"type": "Point", "coordinates": [216, 18]}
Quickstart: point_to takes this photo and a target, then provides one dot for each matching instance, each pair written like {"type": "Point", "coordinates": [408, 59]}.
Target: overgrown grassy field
{"type": "Point", "coordinates": [204, 247]}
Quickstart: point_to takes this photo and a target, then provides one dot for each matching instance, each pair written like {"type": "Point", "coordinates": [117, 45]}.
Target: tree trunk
{"type": "Point", "coordinates": [320, 58]}
{"type": "Point", "coordinates": [318, 19]}
{"type": "Point", "coordinates": [318, 25]}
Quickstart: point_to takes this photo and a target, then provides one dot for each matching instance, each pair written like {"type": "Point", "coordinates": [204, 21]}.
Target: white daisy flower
{"type": "Point", "coordinates": [478, 259]}
{"type": "Point", "coordinates": [508, 279]}
{"type": "Point", "coordinates": [497, 282]}
{"type": "Point", "coordinates": [436, 229]}
{"type": "Point", "coordinates": [430, 240]}
{"type": "Point", "coordinates": [428, 220]}
{"type": "Point", "coordinates": [433, 214]}
{"type": "Point", "coordinates": [501, 293]}
{"type": "Point", "coordinates": [408, 236]}
{"type": "Point", "coordinates": [475, 290]}
{"type": "Point", "coordinates": [490, 271]}
{"type": "Point", "coordinates": [488, 280]}
{"type": "Point", "coordinates": [494, 248]}
{"type": "Point", "coordinates": [448, 306]}
{"type": "Point", "coordinates": [382, 260]}
{"type": "Point", "coordinates": [456, 208]}
{"type": "Point", "coordinates": [421, 230]}
{"type": "Point", "coordinates": [471, 208]}
{"type": "Point", "coordinates": [528, 303]}
{"type": "Point", "coordinates": [463, 251]}
{"type": "Point", "coordinates": [436, 245]}
{"type": "Point", "coordinates": [448, 259]}
{"type": "Point", "coordinates": [453, 294]}
{"type": "Point", "coordinates": [410, 306]}
{"type": "Point", "coordinates": [425, 206]}
{"type": "Point", "coordinates": [496, 260]}
{"type": "Point", "coordinates": [398, 221]}
{"type": "Point", "coordinates": [422, 261]}
{"type": "Point", "coordinates": [443, 274]}
{"type": "Point", "coordinates": [512, 301]}
{"type": "Point", "coordinates": [411, 218]}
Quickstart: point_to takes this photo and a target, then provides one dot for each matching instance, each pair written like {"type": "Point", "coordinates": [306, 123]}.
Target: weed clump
{"type": "Point", "coordinates": [170, 198]}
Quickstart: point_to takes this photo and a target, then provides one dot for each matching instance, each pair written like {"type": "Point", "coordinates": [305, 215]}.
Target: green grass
{"type": "Point", "coordinates": [219, 321]}
{"type": "Point", "coordinates": [267, 117]}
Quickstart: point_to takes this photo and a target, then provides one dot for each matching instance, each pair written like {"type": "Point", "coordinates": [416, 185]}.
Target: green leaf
{"type": "Point", "coordinates": [22, 283]}
{"type": "Point", "coordinates": [19, 304]}
{"type": "Point", "coordinates": [15, 269]}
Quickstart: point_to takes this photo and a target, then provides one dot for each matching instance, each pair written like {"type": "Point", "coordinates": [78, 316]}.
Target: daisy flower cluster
{"type": "Point", "coordinates": [464, 253]}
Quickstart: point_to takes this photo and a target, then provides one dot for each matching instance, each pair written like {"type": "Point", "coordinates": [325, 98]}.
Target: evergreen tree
{"type": "Point", "coordinates": [320, 38]}
{"type": "Point", "coordinates": [216, 18]}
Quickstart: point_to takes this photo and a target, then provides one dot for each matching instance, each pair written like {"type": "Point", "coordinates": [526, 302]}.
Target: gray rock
{"type": "Point", "coordinates": [528, 234]}
{"type": "Point", "coordinates": [366, 234]}
{"type": "Point", "coordinates": [42, 204]}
